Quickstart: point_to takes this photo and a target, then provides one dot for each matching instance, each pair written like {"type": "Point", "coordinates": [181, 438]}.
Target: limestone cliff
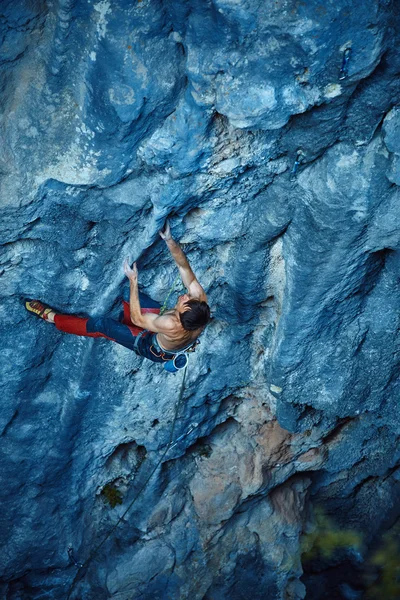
{"type": "Point", "coordinates": [268, 133]}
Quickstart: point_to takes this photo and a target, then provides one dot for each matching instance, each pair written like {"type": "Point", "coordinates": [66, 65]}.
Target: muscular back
{"type": "Point", "coordinates": [176, 337]}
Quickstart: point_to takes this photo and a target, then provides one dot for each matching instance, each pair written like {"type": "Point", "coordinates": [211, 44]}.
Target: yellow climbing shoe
{"type": "Point", "coordinates": [38, 308]}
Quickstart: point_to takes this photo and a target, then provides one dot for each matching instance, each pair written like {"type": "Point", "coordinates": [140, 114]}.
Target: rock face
{"type": "Point", "coordinates": [268, 133]}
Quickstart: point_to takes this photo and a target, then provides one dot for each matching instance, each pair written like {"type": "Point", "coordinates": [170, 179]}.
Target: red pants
{"type": "Point", "coordinates": [78, 325]}
{"type": "Point", "coordinates": [122, 332]}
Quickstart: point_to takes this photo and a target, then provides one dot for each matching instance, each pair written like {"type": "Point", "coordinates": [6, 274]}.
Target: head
{"type": "Point", "coordinates": [193, 314]}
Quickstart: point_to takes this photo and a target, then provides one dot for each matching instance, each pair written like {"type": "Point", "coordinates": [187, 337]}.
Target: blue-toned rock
{"type": "Point", "coordinates": [267, 133]}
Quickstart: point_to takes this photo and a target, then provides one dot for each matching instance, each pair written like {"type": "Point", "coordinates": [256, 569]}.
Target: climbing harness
{"type": "Point", "coordinates": [137, 338]}
{"type": "Point", "coordinates": [181, 358]}
{"type": "Point", "coordinates": [177, 360]}
{"type": "Point", "coordinates": [344, 69]}
{"type": "Point", "coordinates": [82, 567]}
{"type": "Point", "coordinates": [174, 361]}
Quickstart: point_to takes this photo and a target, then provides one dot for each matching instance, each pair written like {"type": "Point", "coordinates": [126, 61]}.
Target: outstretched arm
{"type": "Point", "coordinates": [150, 321]}
{"type": "Point", "coordinates": [188, 277]}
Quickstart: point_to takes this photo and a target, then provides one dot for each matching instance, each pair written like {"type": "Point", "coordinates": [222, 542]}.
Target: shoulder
{"type": "Point", "coordinates": [167, 322]}
{"type": "Point", "coordinates": [197, 292]}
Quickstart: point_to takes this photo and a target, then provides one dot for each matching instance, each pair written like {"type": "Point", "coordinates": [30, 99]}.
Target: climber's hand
{"type": "Point", "coordinates": [132, 274]}
{"type": "Point", "coordinates": [166, 232]}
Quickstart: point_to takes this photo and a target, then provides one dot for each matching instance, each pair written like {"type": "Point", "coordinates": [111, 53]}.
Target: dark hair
{"type": "Point", "coordinates": [198, 315]}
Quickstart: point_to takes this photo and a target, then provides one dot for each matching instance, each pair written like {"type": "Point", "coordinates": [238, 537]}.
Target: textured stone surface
{"type": "Point", "coordinates": [115, 116]}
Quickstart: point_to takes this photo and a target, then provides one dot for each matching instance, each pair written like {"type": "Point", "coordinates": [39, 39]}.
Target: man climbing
{"type": "Point", "coordinates": [157, 337]}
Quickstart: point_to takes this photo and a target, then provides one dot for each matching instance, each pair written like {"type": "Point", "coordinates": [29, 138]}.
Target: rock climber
{"type": "Point", "coordinates": [157, 337]}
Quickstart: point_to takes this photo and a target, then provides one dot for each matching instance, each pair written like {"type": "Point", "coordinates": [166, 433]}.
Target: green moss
{"type": "Point", "coordinates": [111, 495]}
{"type": "Point", "coordinates": [327, 538]}
{"type": "Point", "coordinates": [205, 451]}
{"type": "Point", "coordinates": [380, 573]}
{"type": "Point", "coordinates": [386, 560]}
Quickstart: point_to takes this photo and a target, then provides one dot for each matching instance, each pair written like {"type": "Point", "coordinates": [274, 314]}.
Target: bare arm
{"type": "Point", "coordinates": [153, 322]}
{"type": "Point", "coordinates": [188, 277]}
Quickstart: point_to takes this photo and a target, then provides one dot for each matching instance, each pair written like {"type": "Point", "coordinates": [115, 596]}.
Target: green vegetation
{"type": "Point", "coordinates": [326, 538]}
{"type": "Point", "coordinates": [204, 451]}
{"type": "Point", "coordinates": [379, 575]}
{"type": "Point", "coordinates": [387, 561]}
{"type": "Point", "coordinates": [111, 495]}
